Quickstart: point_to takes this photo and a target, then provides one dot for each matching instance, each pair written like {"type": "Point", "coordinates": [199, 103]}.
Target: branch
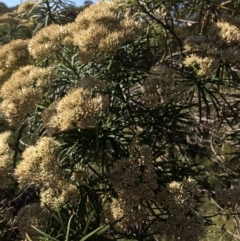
{"type": "Point", "coordinates": [161, 23]}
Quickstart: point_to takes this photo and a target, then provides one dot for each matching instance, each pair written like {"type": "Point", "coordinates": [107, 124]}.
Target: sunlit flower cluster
{"type": "Point", "coordinates": [37, 161]}
{"type": "Point", "coordinates": [58, 193]}
{"type": "Point", "coordinates": [79, 109]}
{"type": "Point", "coordinates": [97, 31]}
{"type": "Point", "coordinates": [13, 55]}
{"type": "Point", "coordinates": [100, 30]}
{"type": "Point", "coordinates": [48, 40]}
{"type": "Point", "coordinates": [203, 66]}
{"type": "Point", "coordinates": [39, 166]}
{"type": "Point", "coordinates": [26, 6]}
{"type": "Point", "coordinates": [221, 44]}
{"type": "Point", "coordinates": [22, 91]}
{"type": "Point", "coordinates": [227, 34]}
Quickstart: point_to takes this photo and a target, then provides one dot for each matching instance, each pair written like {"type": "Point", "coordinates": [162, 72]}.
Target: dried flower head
{"type": "Point", "coordinates": [196, 43]}
{"type": "Point", "coordinates": [183, 221]}
{"type": "Point", "coordinates": [221, 43]}
{"type": "Point", "coordinates": [66, 32]}
{"type": "Point", "coordinates": [39, 163]}
{"type": "Point", "coordinates": [135, 182]}
{"type": "Point", "coordinates": [80, 175]}
{"type": "Point", "coordinates": [135, 176]}
{"type": "Point", "coordinates": [229, 54]}
{"type": "Point", "coordinates": [8, 18]}
{"type": "Point", "coordinates": [32, 215]}
{"type": "Point", "coordinates": [48, 40]}
{"type": "Point", "coordinates": [225, 33]}
{"type": "Point", "coordinates": [58, 193]}
{"type": "Point", "coordinates": [23, 91]}
{"type": "Point", "coordinates": [39, 166]}
{"type": "Point", "coordinates": [203, 66]}
{"type": "Point", "coordinates": [78, 109]}
{"type": "Point", "coordinates": [99, 30]}
{"type": "Point", "coordinates": [26, 6]}
{"type": "Point", "coordinates": [182, 195]}
{"type": "Point", "coordinates": [184, 227]}
{"type": "Point", "coordinates": [162, 86]}
{"type": "Point", "coordinates": [124, 216]}
{"type": "Point", "coordinates": [4, 158]}
{"type": "Point", "coordinates": [13, 55]}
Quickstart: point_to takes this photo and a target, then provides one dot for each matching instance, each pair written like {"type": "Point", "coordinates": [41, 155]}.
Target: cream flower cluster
{"type": "Point", "coordinates": [13, 55]}
{"type": "Point", "coordinates": [79, 109]}
{"type": "Point", "coordinates": [39, 166]}
{"type": "Point", "coordinates": [22, 91]}
{"type": "Point", "coordinates": [98, 30]}
{"type": "Point", "coordinates": [221, 44]}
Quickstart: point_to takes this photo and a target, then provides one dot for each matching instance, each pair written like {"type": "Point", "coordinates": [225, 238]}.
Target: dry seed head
{"type": "Point", "coordinates": [34, 215]}
{"type": "Point", "coordinates": [16, 111]}
{"type": "Point", "coordinates": [66, 32]}
{"type": "Point", "coordinates": [8, 18]}
{"type": "Point", "coordinates": [78, 109]}
{"type": "Point", "coordinates": [58, 194]}
{"type": "Point", "coordinates": [105, 12]}
{"type": "Point", "coordinates": [127, 215]}
{"type": "Point", "coordinates": [182, 227]}
{"type": "Point", "coordinates": [203, 66]}
{"type": "Point", "coordinates": [13, 55]}
{"type": "Point", "coordinates": [26, 5]}
{"type": "Point", "coordinates": [229, 54]}
{"type": "Point", "coordinates": [182, 195]}
{"type": "Point", "coordinates": [196, 43]}
{"type": "Point", "coordinates": [35, 161]}
{"type": "Point", "coordinates": [228, 34]}
{"type": "Point", "coordinates": [48, 40]}
{"type": "Point", "coordinates": [99, 30]}
{"type": "Point", "coordinates": [39, 166]}
{"type": "Point", "coordinates": [134, 177]}
{"type": "Point", "coordinates": [80, 175]}
{"type": "Point", "coordinates": [183, 221]}
{"type": "Point", "coordinates": [22, 91]}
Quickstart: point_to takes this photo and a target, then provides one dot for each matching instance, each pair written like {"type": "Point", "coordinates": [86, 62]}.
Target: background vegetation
{"type": "Point", "coordinates": [119, 120]}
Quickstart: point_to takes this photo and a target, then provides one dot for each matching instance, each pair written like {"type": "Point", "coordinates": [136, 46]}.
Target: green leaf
{"type": "Point", "coordinates": [96, 231]}
{"type": "Point", "coordinates": [68, 227]}
{"type": "Point", "coordinates": [88, 222]}
{"type": "Point", "coordinates": [44, 234]}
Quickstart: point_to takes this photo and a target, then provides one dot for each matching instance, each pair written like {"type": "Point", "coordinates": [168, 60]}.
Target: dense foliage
{"type": "Point", "coordinates": [119, 121]}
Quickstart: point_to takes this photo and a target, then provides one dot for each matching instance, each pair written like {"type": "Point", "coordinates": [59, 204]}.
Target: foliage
{"type": "Point", "coordinates": [121, 121]}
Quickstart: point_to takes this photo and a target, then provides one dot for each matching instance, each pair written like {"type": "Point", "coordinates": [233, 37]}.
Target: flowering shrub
{"type": "Point", "coordinates": [121, 122]}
